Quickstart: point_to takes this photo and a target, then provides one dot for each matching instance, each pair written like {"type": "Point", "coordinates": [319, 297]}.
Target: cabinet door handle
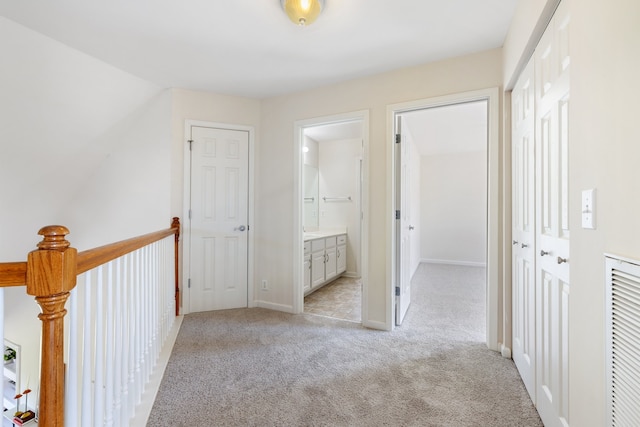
{"type": "Point", "coordinates": [515, 242]}
{"type": "Point", "coordinates": [338, 253]}
{"type": "Point", "coordinates": [524, 245]}
{"type": "Point", "coordinates": [543, 252]}
{"type": "Point", "coordinates": [562, 260]}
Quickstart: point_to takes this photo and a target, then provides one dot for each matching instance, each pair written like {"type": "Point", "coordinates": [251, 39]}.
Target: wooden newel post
{"type": "Point", "coordinates": [51, 275]}
{"type": "Point", "coordinates": [176, 224]}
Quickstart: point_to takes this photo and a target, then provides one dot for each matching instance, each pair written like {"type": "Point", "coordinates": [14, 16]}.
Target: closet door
{"type": "Point", "coordinates": [523, 228]}
{"type": "Point", "coordinates": [552, 221]}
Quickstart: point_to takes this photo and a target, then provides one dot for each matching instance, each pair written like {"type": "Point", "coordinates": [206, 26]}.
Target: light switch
{"type": "Point", "coordinates": [589, 208]}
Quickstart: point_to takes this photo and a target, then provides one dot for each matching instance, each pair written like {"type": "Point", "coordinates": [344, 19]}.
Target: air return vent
{"type": "Point", "coordinates": [623, 341]}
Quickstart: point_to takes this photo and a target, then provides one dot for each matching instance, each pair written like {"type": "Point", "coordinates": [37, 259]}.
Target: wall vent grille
{"type": "Point", "coordinates": [623, 341]}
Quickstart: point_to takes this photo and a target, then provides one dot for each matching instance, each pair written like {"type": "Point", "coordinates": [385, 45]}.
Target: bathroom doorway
{"type": "Point", "coordinates": [330, 248]}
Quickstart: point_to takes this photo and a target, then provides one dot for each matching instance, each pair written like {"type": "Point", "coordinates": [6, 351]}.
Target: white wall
{"type": "Point", "coordinates": [275, 182]}
{"type": "Point", "coordinates": [69, 122]}
{"type": "Point", "coordinates": [454, 208]}
{"type": "Point", "coordinates": [604, 152]}
{"type": "Point", "coordinates": [339, 171]}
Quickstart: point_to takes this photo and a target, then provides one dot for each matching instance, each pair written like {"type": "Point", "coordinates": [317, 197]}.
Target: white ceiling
{"type": "Point", "coordinates": [250, 48]}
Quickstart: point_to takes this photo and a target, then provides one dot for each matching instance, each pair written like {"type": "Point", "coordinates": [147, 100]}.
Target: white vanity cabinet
{"type": "Point", "coordinates": [324, 260]}
{"type": "Point", "coordinates": [341, 254]}
{"type": "Point", "coordinates": [331, 266]}
{"type": "Point", "coordinates": [307, 267]}
{"type": "Point", "coordinates": [318, 260]}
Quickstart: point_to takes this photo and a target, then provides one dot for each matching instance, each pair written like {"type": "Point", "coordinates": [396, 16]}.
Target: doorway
{"type": "Point", "coordinates": [217, 236]}
{"type": "Point", "coordinates": [330, 248]}
{"type": "Point", "coordinates": [490, 96]}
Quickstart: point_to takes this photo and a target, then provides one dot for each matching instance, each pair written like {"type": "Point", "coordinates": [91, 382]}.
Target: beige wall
{"type": "Point", "coordinates": [605, 63]}
{"type": "Point", "coordinates": [208, 107]}
{"type": "Point", "coordinates": [275, 182]}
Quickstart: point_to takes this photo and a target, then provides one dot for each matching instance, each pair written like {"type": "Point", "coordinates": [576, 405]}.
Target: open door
{"type": "Point", "coordinates": [403, 273]}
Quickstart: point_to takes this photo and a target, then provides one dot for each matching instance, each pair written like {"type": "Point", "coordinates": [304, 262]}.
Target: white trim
{"type": "Point", "coordinates": [143, 410]}
{"type": "Point", "coordinates": [505, 351]}
{"type": "Point", "coordinates": [453, 262]}
{"type": "Point", "coordinates": [374, 324]}
{"type": "Point", "coordinates": [491, 95]}
{"type": "Point", "coordinates": [186, 203]}
{"type": "Point", "coordinates": [298, 251]}
{"type": "Point", "coordinates": [275, 307]}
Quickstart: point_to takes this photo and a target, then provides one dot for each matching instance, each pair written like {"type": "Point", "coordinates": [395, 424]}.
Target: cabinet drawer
{"type": "Point", "coordinates": [330, 242]}
{"type": "Point", "coordinates": [317, 245]}
{"type": "Point", "coordinates": [342, 239]}
{"type": "Point", "coordinates": [307, 248]}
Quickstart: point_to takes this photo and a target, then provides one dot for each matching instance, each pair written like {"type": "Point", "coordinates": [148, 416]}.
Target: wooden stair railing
{"type": "Point", "coordinates": [50, 274]}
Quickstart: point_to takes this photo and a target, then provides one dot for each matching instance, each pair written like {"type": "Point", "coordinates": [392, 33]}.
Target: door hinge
{"type": "Point", "coordinates": [398, 214]}
{"type": "Point", "coordinates": [190, 142]}
{"type": "Point", "coordinates": [397, 291]}
{"type": "Point", "coordinates": [398, 138]}
{"type": "Point", "coordinates": [189, 283]}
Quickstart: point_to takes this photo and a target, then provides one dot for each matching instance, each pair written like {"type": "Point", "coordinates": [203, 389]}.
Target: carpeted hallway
{"type": "Point", "coordinates": [255, 367]}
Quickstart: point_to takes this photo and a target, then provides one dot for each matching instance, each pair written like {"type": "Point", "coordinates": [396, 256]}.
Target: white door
{"type": "Point", "coordinates": [219, 216]}
{"type": "Point", "coordinates": [552, 220]}
{"type": "Point", "coordinates": [403, 256]}
{"type": "Point", "coordinates": [523, 228]}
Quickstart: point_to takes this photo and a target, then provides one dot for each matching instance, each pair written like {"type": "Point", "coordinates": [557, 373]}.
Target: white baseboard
{"type": "Point", "coordinates": [276, 307]}
{"type": "Point", "coordinates": [374, 324]}
{"type": "Point", "coordinates": [505, 351]}
{"type": "Point", "coordinates": [454, 262]}
{"type": "Point", "coordinates": [143, 410]}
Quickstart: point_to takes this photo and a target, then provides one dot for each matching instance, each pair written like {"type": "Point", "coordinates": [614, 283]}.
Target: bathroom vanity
{"type": "Point", "coordinates": [325, 258]}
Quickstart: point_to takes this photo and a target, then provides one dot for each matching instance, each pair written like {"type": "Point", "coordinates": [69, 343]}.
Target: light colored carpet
{"type": "Point", "coordinates": [255, 367]}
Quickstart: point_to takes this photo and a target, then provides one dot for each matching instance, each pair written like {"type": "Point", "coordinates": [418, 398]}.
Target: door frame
{"type": "Point", "coordinates": [186, 205]}
{"type": "Point", "coordinates": [493, 305]}
{"type": "Point", "coordinates": [298, 238]}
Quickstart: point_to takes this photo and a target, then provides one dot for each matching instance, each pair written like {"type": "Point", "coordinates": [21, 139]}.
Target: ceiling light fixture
{"type": "Point", "coordinates": [302, 12]}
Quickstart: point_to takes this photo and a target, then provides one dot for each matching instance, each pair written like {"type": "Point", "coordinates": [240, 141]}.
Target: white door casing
{"type": "Point", "coordinates": [523, 227]}
{"type": "Point", "coordinates": [219, 223]}
{"type": "Point", "coordinates": [495, 321]}
{"type": "Point", "coordinates": [552, 62]}
{"type": "Point", "coordinates": [403, 251]}
{"type": "Point", "coordinates": [361, 256]}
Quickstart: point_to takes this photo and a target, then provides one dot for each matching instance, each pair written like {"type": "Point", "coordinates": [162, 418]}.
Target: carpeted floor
{"type": "Point", "coordinates": [255, 367]}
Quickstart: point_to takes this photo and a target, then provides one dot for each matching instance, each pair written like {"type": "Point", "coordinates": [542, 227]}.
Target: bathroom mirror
{"type": "Point", "coordinates": [310, 196]}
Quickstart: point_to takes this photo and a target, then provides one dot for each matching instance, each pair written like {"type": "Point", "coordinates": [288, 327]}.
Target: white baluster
{"type": "Point", "coordinates": [109, 359]}
{"type": "Point", "coordinates": [71, 393]}
{"type": "Point", "coordinates": [117, 343]}
{"type": "Point", "coordinates": [86, 354]}
{"type": "Point", "coordinates": [98, 393]}
{"type": "Point", "coordinates": [126, 340]}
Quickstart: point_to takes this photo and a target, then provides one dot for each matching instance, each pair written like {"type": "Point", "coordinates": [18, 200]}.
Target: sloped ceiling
{"type": "Point", "coordinates": [249, 47]}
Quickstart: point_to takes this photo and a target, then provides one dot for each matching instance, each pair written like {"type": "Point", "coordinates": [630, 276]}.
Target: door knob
{"type": "Point", "coordinates": [543, 253]}
{"type": "Point", "coordinates": [241, 228]}
{"type": "Point", "coordinates": [562, 260]}
{"type": "Point", "coordinates": [515, 242]}
{"type": "Point", "coordinates": [524, 245]}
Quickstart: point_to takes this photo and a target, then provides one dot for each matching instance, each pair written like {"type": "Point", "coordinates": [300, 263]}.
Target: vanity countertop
{"type": "Point", "coordinates": [312, 235]}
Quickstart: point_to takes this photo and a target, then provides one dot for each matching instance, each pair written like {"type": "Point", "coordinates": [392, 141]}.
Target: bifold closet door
{"type": "Point", "coordinates": [552, 65]}
{"type": "Point", "coordinates": [523, 228]}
